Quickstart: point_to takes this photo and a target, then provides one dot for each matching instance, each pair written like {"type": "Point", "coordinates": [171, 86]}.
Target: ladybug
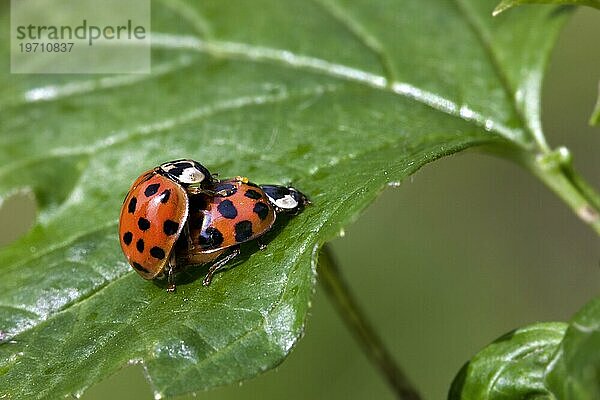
{"type": "Point", "coordinates": [155, 212]}
{"type": "Point", "coordinates": [219, 224]}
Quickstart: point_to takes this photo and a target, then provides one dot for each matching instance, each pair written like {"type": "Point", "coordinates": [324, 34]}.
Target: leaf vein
{"type": "Point", "coordinates": [50, 249]}
{"type": "Point", "coordinates": [332, 8]}
{"type": "Point", "coordinates": [486, 43]}
{"type": "Point", "coordinates": [287, 58]}
{"type": "Point", "coordinates": [166, 125]}
{"type": "Point", "coordinates": [191, 15]}
{"type": "Point", "coordinates": [73, 88]}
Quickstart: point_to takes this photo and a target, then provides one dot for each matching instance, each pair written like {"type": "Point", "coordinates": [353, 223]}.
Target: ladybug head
{"type": "Point", "coordinates": [285, 199]}
{"type": "Point", "coordinates": [186, 172]}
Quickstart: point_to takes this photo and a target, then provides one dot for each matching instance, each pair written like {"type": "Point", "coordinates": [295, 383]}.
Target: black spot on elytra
{"type": "Point", "coordinates": [157, 252]}
{"type": "Point", "coordinates": [143, 224]}
{"type": "Point", "coordinates": [151, 189]}
{"type": "Point", "coordinates": [261, 209]}
{"type": "Point", "coordinates": [227, 209]}
{"type": "Point", "coordinates": [139, 267]}
{"type": "Point", "coordinates": [132, 205]}
{"type": "Point", "coordinates": [127, 238]}
{"type": "Point", "coordinates": [210, 238]}
{"type": "Point", "coordinates": [253, 194]}
{"type": "Point", "coordinates": [140, 245]}
{"type": "Point", "coordinates": [243, 231]}
{"type": "Point", "coordinates": [170, 227]}
{"type": "Point", "coordinates": [164, 196]}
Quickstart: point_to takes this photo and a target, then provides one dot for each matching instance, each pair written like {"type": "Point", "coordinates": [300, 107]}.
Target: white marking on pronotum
{"type": "Point", "coordinates": [286, 202]}
{"type": "Point", "coordinates": [188, 175]}
{"type": "Point", "coordinates": [191, 175]}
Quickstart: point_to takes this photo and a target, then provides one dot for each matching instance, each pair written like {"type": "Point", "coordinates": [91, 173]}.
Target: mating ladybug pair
{"type": "Point", "coordinates": [178, 214]}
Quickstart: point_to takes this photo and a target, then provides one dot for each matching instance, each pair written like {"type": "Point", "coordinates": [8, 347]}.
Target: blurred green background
{"type": "Point", "coordinates": [467, 249]}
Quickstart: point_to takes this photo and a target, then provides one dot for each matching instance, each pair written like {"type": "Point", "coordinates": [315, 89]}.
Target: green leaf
{"type": "Point", "coordinates": [544, 360]}
{"type": "Point", "coordinates": [340, 98]}
{"type": "Point", "coordinates": [506, 4]}
{"type": "Point", "coordinates": [512, 367]}
{"type": "Point", "coordinates": [574, 373]}
{"type": "Point", "coordinates": [595, 118]}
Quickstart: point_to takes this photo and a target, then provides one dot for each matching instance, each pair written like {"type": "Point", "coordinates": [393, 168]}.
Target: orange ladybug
{"type": "Point", "coordinates": [154, 214]}
{"type": "Point", "coordinates": [219, 224]}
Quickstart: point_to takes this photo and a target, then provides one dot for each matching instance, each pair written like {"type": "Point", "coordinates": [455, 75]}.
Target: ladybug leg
{"type": "Point", "coordinates": [217, 193]}
{"type": "Point", "coordinates": [219, 264]}
{"type": "Point", "coordinates": [261, 245]}
{"type": "Point", "coordinates": [171, 274]}
{"type": "Point", "coordinates": [198, 190]}
{"type": "Point", "coordinates": [208, 192]}
{"type": "Point", "coordinates": [224, 193]}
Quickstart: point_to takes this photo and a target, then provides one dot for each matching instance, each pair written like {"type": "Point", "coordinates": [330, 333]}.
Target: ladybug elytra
{"type": "Point", "coordinates": [219, 224]}
{"type": "Point", "coordinates": [155, 211]}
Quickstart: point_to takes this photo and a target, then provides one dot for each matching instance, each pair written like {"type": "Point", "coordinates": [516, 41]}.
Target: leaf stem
{"type": "Point", "coordinates": [573, 190]}
{"type": "Point", "coordinates": [340, 294]}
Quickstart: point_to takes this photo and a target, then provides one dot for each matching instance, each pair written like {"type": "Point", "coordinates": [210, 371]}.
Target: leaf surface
{"type": "Point", "coordinates": [506, 4]}
{"type": "Point", "coordinates": [574, 373]}
{"type": "Point", "coordinates": [340, 98]}
{"type": "Point", "coordinates": [595, 118]}
{"type": "Point", "coordinates": [512, 367]}
{"type": "Point", "coordinates": [542, 361]}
